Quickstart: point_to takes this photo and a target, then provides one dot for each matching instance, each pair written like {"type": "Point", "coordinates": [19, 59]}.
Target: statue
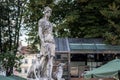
{"type": "Point", "coordinates": [42, 69]}
{"type": "Point", "coordinates": [59, 72]}
{"type": "Point", "coordinates": [34, 68]}
{"type": "Point", "coordinates": [47, 51]}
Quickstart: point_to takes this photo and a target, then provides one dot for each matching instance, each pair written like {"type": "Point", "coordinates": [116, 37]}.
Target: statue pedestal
{"type": "Point", "coordinates": [39, 79]}
{"type": "Point", "coordinates": [44, 79]}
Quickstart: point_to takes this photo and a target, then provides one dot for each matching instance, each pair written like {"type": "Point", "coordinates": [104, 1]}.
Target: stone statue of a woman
{"type": "Point", "coordinates": [47, 51]}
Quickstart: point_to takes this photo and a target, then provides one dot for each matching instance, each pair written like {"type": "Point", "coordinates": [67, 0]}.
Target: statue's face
{"type": "Point", "coordinates": [48, 13]}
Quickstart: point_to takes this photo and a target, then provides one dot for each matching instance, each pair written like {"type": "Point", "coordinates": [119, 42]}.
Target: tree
{"type": "Point", "coordinates": [112, 16]}
{"type": "Point", "coordinates": [91, 19]}
{"type": "Point", "coordinates": [76, 18]}
{"type": "Point", "coordinates": [84, 19]}
{"type": "Point", "coordinates": [10, 23]}
{"type": "Point", "coordinates": [8, 60]}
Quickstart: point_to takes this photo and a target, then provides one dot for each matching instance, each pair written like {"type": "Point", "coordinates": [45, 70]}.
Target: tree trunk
{"type": "Point", "coordinates": [0, 37]}
{"type": "Point", "coordinates": [9, 71]}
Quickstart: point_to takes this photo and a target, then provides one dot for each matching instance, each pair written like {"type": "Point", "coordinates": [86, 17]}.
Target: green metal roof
{"type": "Point", "coordinates": [85, 45]}
{"type": "Point", "coordinates": [94, 47]}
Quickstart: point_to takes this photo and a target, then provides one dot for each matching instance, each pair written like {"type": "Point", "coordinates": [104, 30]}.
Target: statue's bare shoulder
{"type": "Point", "coordinates": [41, 22]}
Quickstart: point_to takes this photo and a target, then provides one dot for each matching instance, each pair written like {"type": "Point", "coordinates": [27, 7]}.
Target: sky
{"type": "Point", "coordinates": [23, 37]}
{"type": "Point", "coordinates": [23, 40]}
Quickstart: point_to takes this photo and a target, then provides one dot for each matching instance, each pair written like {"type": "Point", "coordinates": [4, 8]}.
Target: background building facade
{"type": "Point", "coordinates": [79, 54]}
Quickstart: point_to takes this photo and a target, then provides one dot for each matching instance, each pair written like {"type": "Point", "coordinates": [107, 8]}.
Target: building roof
{"type": "Point", "coordinates": [85, 45]}
{"type": "Point", "coordinates": [61, 45]}
{"type": "Point", "coordinates": [85, 40]}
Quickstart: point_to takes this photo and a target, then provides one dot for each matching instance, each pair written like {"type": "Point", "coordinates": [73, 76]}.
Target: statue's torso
{"type": "Point", "coordinates": [47, 31]}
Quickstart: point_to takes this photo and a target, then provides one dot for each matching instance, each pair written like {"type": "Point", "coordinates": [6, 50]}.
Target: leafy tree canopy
{"type": "Point", "coordinates": [77, 19]}
{"type": "Point", "coordinates": [10, 24]}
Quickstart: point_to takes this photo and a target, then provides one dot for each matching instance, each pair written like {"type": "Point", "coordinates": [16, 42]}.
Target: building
{"type": "Point", "coordinates": [79, 54]}
{"type": "Point", "coordinates": [29, 58]}
{"type": "Point", "coordinates": [83, 54]}
{"type": "Point", "coordinates": [27, 61]}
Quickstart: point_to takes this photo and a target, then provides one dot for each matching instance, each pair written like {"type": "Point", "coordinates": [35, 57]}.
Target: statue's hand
{"type": "Point", "coordinates": [43, 44]}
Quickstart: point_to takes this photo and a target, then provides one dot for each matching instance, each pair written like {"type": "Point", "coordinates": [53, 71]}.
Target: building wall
{"type": "Point", "coordinates": [26, 63]}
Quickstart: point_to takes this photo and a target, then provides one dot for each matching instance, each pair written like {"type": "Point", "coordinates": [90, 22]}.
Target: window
{"type": "Point", "coordinates": [25, 70]}
{"type": "Point", "coordinates": [93, 65]}
{"type": "Point", "coordinates": [22, 71]}
{"type": "Point", "coordinates": [33, 61]}
{"type": "Point", "coordinates": [26, 61]}
{"type": "Point", "coordinates": [58, 56]}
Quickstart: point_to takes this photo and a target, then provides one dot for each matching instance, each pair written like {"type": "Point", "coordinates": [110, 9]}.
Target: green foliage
{"type": "Point", "coordinates": [112, 15]}
{"type": "Point", "coordinates": [78, 19]}
{"type": "Point", "coordinates": [10, 24]}
{"type": "Point", "coordinates": [9, 60]}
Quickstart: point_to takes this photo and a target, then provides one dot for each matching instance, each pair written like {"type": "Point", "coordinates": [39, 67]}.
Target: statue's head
{"type": "Point", "coordinates": [47, 11]}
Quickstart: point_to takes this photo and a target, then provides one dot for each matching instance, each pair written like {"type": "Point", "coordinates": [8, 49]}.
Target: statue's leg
{"type": "Point", "coordinates": [35, 72]}
{"type": "Point", "coordinates": [42, 61]}
{"type": "Point", "coordinates": [51, 67]}
{"type": "Point", "coordinates": [52, 50]}
{"type": "Point", "coordinates": [51, 53]}
{"type": "Point", "coordinates": [30, 72]}
{"type": "Point", "coordinates": [44, 69]}
{"type": "Point", "coordinates": [41, 67]}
